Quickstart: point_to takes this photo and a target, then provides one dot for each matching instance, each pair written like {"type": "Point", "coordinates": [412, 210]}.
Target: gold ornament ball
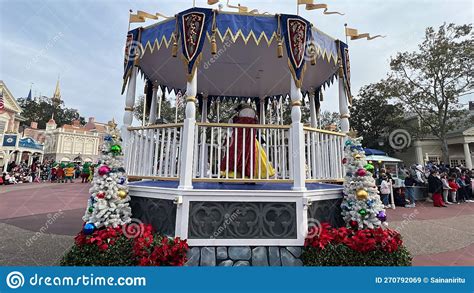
{"type": "Point", "coordinates": [361, 194]}
{"type": "Point", "coordinates": [357, 156]}
{"type": "Point", "coordinates": [122, 194]}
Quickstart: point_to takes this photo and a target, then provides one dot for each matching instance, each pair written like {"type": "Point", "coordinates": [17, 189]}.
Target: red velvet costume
{"type": "Point", "coordinates": [248, 156]}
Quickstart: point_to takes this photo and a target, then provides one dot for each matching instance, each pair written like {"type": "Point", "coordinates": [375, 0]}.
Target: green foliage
{"type": "Point", "coordinates": [328, 118]}
{"type": "Point", "coordinates": [373, 116]}
{"type": "Point", "coordinates": [119, 254]}
{"type": "Point", "coordinates": [168, 112]}
{"type": "Point", "coordinates": [341, 255]}
{"type": "Point", "coordinates": [429, 82]}
{"type": "Point", "coordinates": [42, 108]}
{"type": "Point", "coordinates": [226, 112]}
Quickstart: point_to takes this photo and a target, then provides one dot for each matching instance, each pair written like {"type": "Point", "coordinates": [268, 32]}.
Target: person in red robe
{"type": "Point", "coordinates": [246, 160]}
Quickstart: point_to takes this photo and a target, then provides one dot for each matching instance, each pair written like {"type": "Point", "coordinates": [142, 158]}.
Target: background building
{"type": "Point", "coordinates": [14, 147]}
{"type": "Point", "coordinates": [70, 142]}
{"type": "Point", "coordinates": [460, 146]}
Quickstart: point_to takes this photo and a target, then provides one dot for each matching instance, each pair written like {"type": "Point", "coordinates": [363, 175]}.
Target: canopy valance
{"type": "Point", "coordinates": [235, 55]}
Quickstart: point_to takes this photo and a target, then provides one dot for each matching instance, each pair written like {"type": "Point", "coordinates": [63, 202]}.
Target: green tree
{"type": "Point", "coordinates": [374, 117]}
{"type": "Point", "coordinates": [430, 81]}
{"type": "Point", "coordinates": [330, 118]}
{"type": "Point", "coordinates": [41, 109]}
{"type": "Point", "coordinates": [168, 112]}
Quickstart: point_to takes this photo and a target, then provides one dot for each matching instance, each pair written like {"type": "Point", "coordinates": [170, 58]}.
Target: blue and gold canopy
{"type": "Point", "coordinates": [245, 62]}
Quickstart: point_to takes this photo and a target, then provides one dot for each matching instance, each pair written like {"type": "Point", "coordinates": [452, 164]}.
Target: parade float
{"type": "Point", "coordinates": [245, 191]}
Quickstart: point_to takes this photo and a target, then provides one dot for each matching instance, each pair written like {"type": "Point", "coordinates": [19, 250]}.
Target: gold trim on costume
{"type": "Point", "coordinates": [130, 109]}
{"type": "Point", "coordinates": [345, 116]}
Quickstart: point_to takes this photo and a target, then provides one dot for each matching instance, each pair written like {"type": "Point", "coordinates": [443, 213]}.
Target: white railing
{"type": "Point", "coordinates": [154, 151]}
{"type": "Point", "coordinates": [220, 154]}
{"type": "Point", "coordinates": [324, 151]}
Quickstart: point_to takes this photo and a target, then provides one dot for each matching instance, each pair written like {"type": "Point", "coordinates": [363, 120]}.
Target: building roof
{"type": "Point", "coordinates": [10, 102]}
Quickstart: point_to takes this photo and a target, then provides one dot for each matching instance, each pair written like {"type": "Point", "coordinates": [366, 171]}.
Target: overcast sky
{"type": "Point", "coordinates": [83, 42]}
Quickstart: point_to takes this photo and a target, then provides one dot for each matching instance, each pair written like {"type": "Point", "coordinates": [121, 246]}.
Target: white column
{"type": "Point", "coordinates": [30, 159]}
{"type": "Point", "coordinates": [161, 97]}
{"type": "Point", "coordinates": [297, 138]}
{"type": "Point", "coordinates": [6, 160]}
{"type": "Point", "coordinates": [128, 115]}
{"type": "Point", "coordinates": [262, 110]}
{"type": "Point", "coordinates": [18, 157]}
{"type": "Point", "coordinates": [152, 117]}
{"type": "Point", "coordinates": [418, 152]}
{"type": "Point", "coordinates": [312, 106]}
{"type": "Point", "coordinates": [186, 169]}
{"type": "Point", "coordinates": [129, 103]}
{"type": "Point", "coordinates": [204, 109]}
{"type": "Point", "coordinates": [343, 103]}
{"type": "Point", "coordinates": [467, 155]}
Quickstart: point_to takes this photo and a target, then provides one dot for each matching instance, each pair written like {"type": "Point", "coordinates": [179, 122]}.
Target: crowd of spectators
{"type": "Point", "coordinates": [47, 171]}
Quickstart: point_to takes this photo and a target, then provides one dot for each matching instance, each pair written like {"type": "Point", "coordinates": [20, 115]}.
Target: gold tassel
{"type": "Point", "coordinates": [313, 60]}
{"type": "Point", "coordinates": [213, 45]}
{"type": "Point", "coordinates": [280, 49]}
{"type": "Point", "coordinates": [174, 50]}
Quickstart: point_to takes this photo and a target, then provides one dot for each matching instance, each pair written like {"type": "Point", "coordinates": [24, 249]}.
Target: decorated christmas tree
{"type": "Point", "coordinates": [361, 206]}
{"type": "Point", "coordinates": [108, 204]}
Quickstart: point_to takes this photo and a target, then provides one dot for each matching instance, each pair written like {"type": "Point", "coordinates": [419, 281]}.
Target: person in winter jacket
{"type": "Point", "coordinates": [453, 189]}
{"type": "Point", "coordinates": [446, 188]}
{"type": "Point", "coordinates": [385, 186]}
{"type": "Point", "coordinates": [410, 191]}
{"type": "Point", "coordinates": [435, 186]}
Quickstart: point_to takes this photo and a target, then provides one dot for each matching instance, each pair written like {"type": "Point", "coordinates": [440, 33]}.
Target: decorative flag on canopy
{"type": "Point", "coordinates": [296, 32]}
{"type": "Point", "coordinates": [141, 16]}
{"type": "Point", "coordinates": [310, 5]}
{"type": "Point", "coordinates": [133, 51]}
{"type": "Point", "coordinates": [2, 103]}
{"type": "Point", "coordinates": [354, 35]}
{"type": "Point", "coordinates": [346, 68]}
{"type": "Point", "coordinates": [193, 26]}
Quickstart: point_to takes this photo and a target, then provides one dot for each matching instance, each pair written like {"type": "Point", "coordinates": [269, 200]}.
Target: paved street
{"type": "Point", "coordinates": [38, 223]}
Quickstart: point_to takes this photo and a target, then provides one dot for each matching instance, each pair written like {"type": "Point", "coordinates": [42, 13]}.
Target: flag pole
{"type": "Point", "coordinates": [345, 32]}
{"type": "Point", "coordinates": [129, 13]}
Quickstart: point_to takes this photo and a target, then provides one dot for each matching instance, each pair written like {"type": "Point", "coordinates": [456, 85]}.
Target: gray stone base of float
{"type": "Point", "coordinates": [244, 256]}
